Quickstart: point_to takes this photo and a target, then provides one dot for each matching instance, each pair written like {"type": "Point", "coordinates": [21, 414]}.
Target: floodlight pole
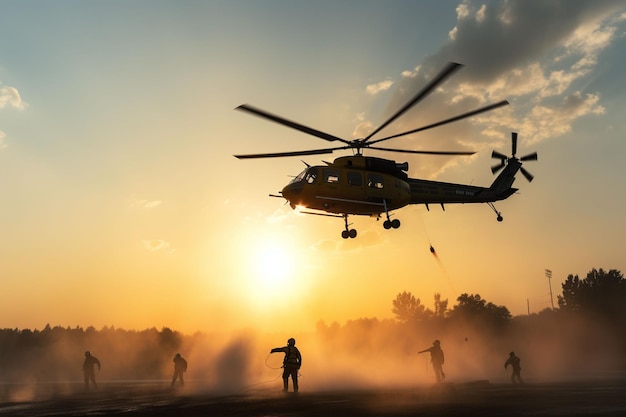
{"type": "Point", "coordinates": [549, 276]}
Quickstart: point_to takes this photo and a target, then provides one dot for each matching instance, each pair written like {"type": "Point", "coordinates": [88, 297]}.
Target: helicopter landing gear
{"type": "Point", "coordinates": [348, 233]}
{"type": "Point", "coordinates": [388, 224]}
{"type": "Point", "coordinates": [498, 214]}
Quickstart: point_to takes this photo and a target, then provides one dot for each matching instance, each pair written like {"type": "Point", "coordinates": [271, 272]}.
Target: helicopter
{"type": "Point", "coordinates": [373, 186]}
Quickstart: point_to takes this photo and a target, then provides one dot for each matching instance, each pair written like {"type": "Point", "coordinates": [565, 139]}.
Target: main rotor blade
{"type": "Point", "coordinates": [447, 71]}
{"type": "Point", "coordinates": [282, 154]}
{"type": "Point", "coordinates": [529, 157]}
{"type": "Point", "coordinates": [498, 155]}
{"type": "Point", "coordinates": [443, 122]}
{"type": "Point", "coordinates": [514, 143]}
{"type": "Point", "coordinates": [289, 123]}
{"type": "Point", "coordinates": [422, 152]}
{"type": "Point", "coordinates": [526, 174]}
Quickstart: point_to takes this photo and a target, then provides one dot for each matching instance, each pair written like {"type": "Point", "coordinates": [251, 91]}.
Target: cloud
{"type": "Point", "coordinates": [326, 245]}
{"type": "Point", "coordinates": [9, 96]}
{"type": "Point", "coordinates": [538, 55]}
{"type": "Point", "coordinates": [374, 89]}
{"type": "Point", "coordinates": [545, 122]}
{"type": "Point", "coordinates": [156, 245]}
{"type": "Point", "coordinates": [509, 34]}
{"type": "Point", "coordinates": [411, 73]}
{"type": "Point", "coordinates": [281, 214]}
{"type": "Point", "coordinates": [362, 129]}
{"type": "Point", "coordinates": [141, 204]}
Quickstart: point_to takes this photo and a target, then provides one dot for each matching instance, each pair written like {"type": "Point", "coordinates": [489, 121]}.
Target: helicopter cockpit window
{"type": "Point", "coordinates": [355, 178]}
{"type": "Point", "coordinates": [331, 176]}
{"type": "Point", "coordinates": [375, 181]}
{"type": "Point", "coordinates": [311, 175]}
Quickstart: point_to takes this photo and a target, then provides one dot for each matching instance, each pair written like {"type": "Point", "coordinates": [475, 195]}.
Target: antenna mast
{"type": "Point", "coordinates": [549, 276]}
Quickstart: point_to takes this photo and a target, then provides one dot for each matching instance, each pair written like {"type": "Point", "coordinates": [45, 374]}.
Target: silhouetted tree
{"type": "Point", "coordinates": [170, 339]}
{"type": "Point", "coordinates": [441, 306]}
{"type": "Point", "coordinates": [407, 308]}
{"type": "Point", "coordinates": [473, 308]}
{"type": "Point", "coordinates": [600, 293]}
{"type": "Point", "coordinates": [328, 331]}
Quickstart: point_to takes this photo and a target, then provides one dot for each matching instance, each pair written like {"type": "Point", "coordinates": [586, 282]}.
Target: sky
{"type": "Point", "coordinates": [121, 203]}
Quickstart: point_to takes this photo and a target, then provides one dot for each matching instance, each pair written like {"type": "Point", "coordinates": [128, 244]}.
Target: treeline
{"type": "Point", "coordinates": [584, 334]}
{"type": "Point", "coordinates": [56, 353]}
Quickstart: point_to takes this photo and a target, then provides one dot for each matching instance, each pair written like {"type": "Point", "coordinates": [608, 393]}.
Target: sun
{"type": "Point", "coordinates": [273, 265]}
{"type": "Point", "coordinates": [271, 271]}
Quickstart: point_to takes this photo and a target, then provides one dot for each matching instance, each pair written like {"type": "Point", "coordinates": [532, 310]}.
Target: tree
{"type": "Point", "coordinates": [441, 306]}
{"type": "Point", "coordinates": [600, 292]}
{"type": "Point", "coordinates": [474, 308]}
{"type": "Point", "coordinates": [408, 308]}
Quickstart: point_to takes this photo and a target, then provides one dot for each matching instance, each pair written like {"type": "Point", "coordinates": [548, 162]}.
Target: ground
{"type": "Point", "coordinates": [479, 398]}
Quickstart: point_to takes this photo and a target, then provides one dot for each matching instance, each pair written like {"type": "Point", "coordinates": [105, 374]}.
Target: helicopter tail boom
{"type": "Point", "coordinates": [435, 192]}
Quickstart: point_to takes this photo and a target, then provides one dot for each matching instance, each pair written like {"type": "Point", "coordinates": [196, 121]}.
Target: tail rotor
{"type": "Point", "coordinates": [504, 160]}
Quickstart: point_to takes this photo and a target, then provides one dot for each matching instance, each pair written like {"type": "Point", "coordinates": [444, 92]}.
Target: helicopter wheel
{"type": "Point", "coordinates": [499, 218]}
{"type": "Point", "coordinates": [348, 234]}
{"type": "Point", "coordinates": [395, 223]}
{"type": "Point", "coordinates": [387, 224]}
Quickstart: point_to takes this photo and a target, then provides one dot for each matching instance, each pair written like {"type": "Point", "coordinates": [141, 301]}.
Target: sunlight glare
{"type": "Point", "coordinates": [271, 272]}
{"type": "Point", "coordinates": [274, 265]}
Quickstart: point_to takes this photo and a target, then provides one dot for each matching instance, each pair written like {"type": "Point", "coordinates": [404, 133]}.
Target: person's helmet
{"type": "Point", "coordinates": [178, 355]}
{"type": "Point", "coordinates": [291, 341]}
{"type": "Point", "coordinates": [87, 353]}
{"type": "Point", "coordinates": [512, 354]}
{"type": "Point", "coordinates": [436, 342]}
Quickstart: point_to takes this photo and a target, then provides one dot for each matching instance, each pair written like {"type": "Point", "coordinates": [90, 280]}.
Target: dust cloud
{"type": "Point", "coordinates": [363, 353]}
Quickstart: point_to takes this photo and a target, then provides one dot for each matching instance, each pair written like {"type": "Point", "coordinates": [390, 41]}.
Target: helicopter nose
{"type": "Point", "coordinates": [290, 191]}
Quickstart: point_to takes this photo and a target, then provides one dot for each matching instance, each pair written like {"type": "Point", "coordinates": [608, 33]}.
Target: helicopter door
{"type": "Point", "coordinates": [355, 179]}
{"type": "Point", "coordinates": [375, 187]}
{"type": "Point", "coordinates": [355, 189]}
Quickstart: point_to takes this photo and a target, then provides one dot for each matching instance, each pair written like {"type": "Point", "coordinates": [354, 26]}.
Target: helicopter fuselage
{"type": "Point", "coordinates": [362, 185]}
{"type": "Point", "coordinates": [351, 185]}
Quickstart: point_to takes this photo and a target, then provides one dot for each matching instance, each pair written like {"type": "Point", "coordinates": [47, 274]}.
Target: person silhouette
{"type": "Point", "coordinates": [436, 359]}
{"type": "Point", "coordinates": [514, 361]}
{"type": "Point", "coordinates": [88, 370]}
{"type": "Point", "coordinates": [180, 367]}
{"type": "Point", "coordinates": [291, 363]}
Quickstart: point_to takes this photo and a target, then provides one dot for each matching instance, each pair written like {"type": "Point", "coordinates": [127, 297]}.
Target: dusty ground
{"type": "Point", "coordinates": [481, 398]}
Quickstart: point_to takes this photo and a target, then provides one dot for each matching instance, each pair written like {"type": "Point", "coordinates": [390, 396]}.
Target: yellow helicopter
{"type": "Point", "coordinates": [371, 186]}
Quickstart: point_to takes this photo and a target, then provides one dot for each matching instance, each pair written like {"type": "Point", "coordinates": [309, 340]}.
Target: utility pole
{"type": "Point", "coordinates": [549, 276]}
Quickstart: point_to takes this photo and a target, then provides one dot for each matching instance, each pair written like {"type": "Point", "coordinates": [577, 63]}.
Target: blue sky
{"type": "Point", "coordinates": [117, 132]}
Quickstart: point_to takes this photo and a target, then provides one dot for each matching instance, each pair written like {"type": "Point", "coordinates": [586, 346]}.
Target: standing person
{"type": "Point", "coordinates": [514, 361]}
{"type": "Point", "coordinates": [436, 359]}
{"type": "Point", "coordinates": [180, 367]}
{"type": "Point", "coordinates": [88, 370]}
{"type": "Point", "coordinates": [291, 363]}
